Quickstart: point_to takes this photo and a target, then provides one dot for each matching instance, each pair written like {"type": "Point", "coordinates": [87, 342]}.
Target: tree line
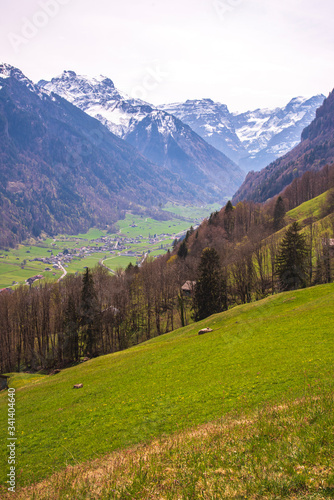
{"type": "Point", "coordinates": [239, 254]}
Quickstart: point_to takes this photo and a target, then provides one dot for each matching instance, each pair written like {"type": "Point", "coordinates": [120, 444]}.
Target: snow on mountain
{"type": "Point", "coordinates": [252, 139]}
{"type": "Point", "coordinates": [8, 71]}
{"type": "Point", "coordinates": [212, 121]}
{"type": "Point", "coordinates": [159, 136]}
{"type": "Point", "coordinates": [99, 98]}
{"type": "Point", "coordinates": [315, 150]}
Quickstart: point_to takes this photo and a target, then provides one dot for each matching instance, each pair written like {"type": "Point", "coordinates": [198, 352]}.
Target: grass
{"type": "Point", "coordinates": [282, 451]}
{"type": "Point", "coordinates": [311, 208]}
{"type": "Point", "coordinates": [117, 262]}
{"type": "Point", "coordinates": [10, 260]}
{"type": "Point", "coordinates": [258, 353]}
{"type": "Point", "coordinates": [11, 272]}
{"type": "Point", "coordinates": [192, 212]}
{"type": "Point", "coordinates": [79, 265]}
{"type": "Point", "coordinates": [146, 226]}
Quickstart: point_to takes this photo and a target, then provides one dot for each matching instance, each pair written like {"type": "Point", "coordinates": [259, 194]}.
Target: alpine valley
{"type": "Point", "coordinates": [62, 170]}
{"type": "Point", "coordinates": [76, 152]}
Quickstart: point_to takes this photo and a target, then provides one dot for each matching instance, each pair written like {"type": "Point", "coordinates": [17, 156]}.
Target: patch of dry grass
{"type": "Point", "coordinates": [283, 451]}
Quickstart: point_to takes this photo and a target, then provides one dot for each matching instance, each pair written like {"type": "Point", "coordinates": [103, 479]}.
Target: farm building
{"type": "Point", "coordinates": [188, 288]}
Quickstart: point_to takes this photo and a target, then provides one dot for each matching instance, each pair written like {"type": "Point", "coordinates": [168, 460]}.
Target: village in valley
{"type": "Point", "coordinates": [52, 258]}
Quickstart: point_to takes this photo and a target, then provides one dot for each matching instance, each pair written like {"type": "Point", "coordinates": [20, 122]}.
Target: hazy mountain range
{"type": "Point", "coordinates": [252, 139]}
{"type": "Point", "coordinates": [159, 136]}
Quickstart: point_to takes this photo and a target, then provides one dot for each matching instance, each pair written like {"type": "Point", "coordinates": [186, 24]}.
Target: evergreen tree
{"type": "Point", "coordinates": [229, 207]}
{"type": "Point", "coordinates": [71, 336]}
{"type": "Point", "coordinates": [279, 214]}
{"type": "Point", "coordinates": [210, 289]}
{"type": "Point", "coordinates": [291, 261]}
{"type": "Point", "coordinates": [229, 219]}
{"type": "Point", "coordinates": [89, 313]}
{"type": "Point", "coordinates": [189, 233]}
{"type": "Point", "coordinates": [183, 250]}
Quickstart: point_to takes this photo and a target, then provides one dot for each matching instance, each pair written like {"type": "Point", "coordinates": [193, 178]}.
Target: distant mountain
{"type": "Point", "coordinates": [315, 150]}
{"type": "Point", "coordinates": [159, 136]}
{"type": "Point", "coordinates": [252, 139]}
{"type": "Point", "coordinates": [61, 170]}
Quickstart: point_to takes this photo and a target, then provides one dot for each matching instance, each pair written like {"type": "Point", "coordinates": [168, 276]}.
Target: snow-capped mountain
{"type": "Point", "coordinates": [315, 150]}
{"type": "Point", "coordinates": [99, 98]}
{"type": "Point", "coordinates": [252, 139]}
{"type": "Point", "coordinates": [212, 121]}
{"type": "Point", "coordinates": [158, 135]}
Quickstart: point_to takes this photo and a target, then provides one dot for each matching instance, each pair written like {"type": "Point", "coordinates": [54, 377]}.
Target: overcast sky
{"type": "Point", "coordinates": [244, 53]}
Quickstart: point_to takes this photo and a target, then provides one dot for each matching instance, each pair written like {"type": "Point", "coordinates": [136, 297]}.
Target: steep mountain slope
{"type": "Point", "coordinates": [315, 150]}
{"type": "Point", "coordinates": [159, 136]}
{"type": "Point", "coordinates": [252, 139]}
{"type": "Point", "coordinates": [62, 170]}
{"type": "Point", "coordinates": [212, 121]}
{"type": "Point", "coordinates": [168, 142]}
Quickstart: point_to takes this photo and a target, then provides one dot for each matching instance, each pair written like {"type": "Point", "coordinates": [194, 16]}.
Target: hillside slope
{"type": "Point", "coordinates": [312, 208]}
{"type": "Point", "coordinates": [256, 353]}
{"type": "Point", "coordinates": [315, 150]}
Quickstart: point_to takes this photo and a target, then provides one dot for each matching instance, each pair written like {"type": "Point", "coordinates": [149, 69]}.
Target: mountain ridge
{"type": "Point", "coordinates": [157, 135]}
{"type": "Point", "coordinates": [315, 150]}
{"type": "Point", "coordinates": [62, 170]}
{"type": "Point", "coordinates": [253, 139]}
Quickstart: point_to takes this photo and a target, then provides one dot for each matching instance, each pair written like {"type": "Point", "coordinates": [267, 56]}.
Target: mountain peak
{"type": "Point", "coordinates": [69, 73]}
{"type": "Point", "coordinates": [70, 76]}
{"type": "Point", "coordinates": [7, 71]}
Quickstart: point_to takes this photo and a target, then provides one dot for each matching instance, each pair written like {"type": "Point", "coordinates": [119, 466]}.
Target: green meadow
{"type": "Point", "coordinates": [146, 226]}
{"type": "Point", "coordinates": [11, 272]}
{"type": "Point", "coordinates": [16, 268]}
{"type": "Point", "coordinates": [191, 212]}
{"type": "Point", "coordinates": [312, 208]}
{"type": "Point", "coordinates": [258, 354]}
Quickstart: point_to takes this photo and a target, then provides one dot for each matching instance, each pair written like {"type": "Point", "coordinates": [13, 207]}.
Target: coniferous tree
{"type": "Point", "coordinates": [209, 289]}
{"type": "Point", "coordinates": [229, 219]}
{"type": "Point", "coordinates": [89, 313]}
{"type": "Point", "coordinates": [71, 336]}
{"type": "Point", "coordinates": [279, 214]}
{"type": "Point", "coordinates": [291, 261]}
{"type": "Point", "coordinates": [183, 250]}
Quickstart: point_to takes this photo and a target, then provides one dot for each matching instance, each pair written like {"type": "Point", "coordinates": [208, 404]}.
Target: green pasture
{"type": "Point", "coordinates": [256, 354]}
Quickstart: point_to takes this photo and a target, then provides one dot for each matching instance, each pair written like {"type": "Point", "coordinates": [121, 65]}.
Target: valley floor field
{"type": "Point", "coordinates": [137, 237]}
{"type": "Point", "coordinates": [280, 348]}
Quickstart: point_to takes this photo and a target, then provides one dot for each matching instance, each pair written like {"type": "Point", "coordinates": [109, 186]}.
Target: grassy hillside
{"type": "Point", "coordinates": [311, 208]}
{"type": "Point", "coordinates": [258, 353]}
{"type": "Point", "coordinates": [281, 451]}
